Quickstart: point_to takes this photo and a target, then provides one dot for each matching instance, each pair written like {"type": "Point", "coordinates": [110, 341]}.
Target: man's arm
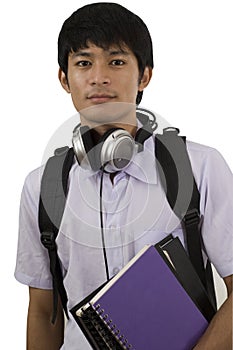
{"type": "Point", "coordinates": [41, 333]}
{"type": "Point", "coordinates": [219, 333]}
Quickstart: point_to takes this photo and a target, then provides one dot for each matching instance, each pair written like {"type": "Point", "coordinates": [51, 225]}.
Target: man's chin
{"type": "Point", "coordinates": [108, 113]}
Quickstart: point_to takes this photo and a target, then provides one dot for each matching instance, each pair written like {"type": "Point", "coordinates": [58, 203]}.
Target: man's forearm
{"type": "Point", "coordinates": [219, 333]}
{"type": "Point", "coordinates": [42, 334]}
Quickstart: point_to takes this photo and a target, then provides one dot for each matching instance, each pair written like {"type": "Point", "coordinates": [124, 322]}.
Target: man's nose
{"type": "Point", "coordinates": [99, 75]}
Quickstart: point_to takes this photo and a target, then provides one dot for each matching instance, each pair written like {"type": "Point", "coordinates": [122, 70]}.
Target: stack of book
{"type": "Point", "coordinates": [156, 301]}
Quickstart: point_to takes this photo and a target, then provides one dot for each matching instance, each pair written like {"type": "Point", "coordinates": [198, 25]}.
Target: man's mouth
{"type": "Point", "coordinates": [100, 98]}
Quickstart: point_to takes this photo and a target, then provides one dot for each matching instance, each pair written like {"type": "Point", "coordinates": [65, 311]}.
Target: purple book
{"type": "Point", "coordinates": [145, 307]}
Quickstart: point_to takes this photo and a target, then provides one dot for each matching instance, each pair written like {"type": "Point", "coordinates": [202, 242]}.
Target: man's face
{"type": "Point", "coordinates": [97, 76]}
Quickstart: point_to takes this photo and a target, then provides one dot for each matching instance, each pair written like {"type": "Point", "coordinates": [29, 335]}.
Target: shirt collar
{"type": "Point", "coordinates": [143, 166]}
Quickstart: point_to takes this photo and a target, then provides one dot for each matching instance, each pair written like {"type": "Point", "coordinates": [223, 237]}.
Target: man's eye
{"type": "Point", "coordinates": [83, 63]}
{"type": "Point", "coordinates": [117, 63]}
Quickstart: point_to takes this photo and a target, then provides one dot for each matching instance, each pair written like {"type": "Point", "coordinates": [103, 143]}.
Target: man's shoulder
{"type": "Point", "coordinates": [32, 183]}
{"type": "Point", "coordinates": [201, 152]}
{"type": "Point", "coordinates": [206, 157]}
{"type": "Point", "coordinates": [35, 175]}
{"type": "Point", "coordinates": [195, 147]}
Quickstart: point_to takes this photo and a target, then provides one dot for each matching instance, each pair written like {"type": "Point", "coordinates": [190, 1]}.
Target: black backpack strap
{"type": "Point", "coordinates": [51, 207]}
{"type": "Point", "coordinates": [183, 196]}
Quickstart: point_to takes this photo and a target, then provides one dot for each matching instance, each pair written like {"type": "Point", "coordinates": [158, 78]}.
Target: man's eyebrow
{"type": "Point", "coordinates": [113, 52]}
{"type": "Point", "coordinates": [81, 53]}
{"type": "Point", "coordinates": [118, 52]}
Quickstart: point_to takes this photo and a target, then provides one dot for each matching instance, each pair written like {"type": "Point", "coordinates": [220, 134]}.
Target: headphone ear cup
{"type": "Point", "coordinates": [103, 143]}
{"type": "Point", "coordinates": [117, 149]}
{"type": "Point", "coordinates": [83, 145]}
{"type": "Point", "coordinates": [86, 149]}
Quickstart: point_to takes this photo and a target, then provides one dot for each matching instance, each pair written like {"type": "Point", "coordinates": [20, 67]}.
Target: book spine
{"type": "Point", "coordinates": [121, 339]}
{"type": "Point", "coordinates": [91, 331]}
{"type": "Point", "coordinates": [100, 332]}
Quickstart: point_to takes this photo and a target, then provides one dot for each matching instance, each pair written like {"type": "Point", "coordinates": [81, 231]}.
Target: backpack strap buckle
{"type": "Point", "coordinates": [48, 240]}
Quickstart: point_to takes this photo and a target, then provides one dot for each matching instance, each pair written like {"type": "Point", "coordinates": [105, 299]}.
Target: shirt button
{"type": "Point", "coordinates": [115, 270]}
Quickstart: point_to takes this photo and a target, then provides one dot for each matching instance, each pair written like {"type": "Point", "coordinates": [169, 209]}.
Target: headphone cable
{"type": "Point", "coordinates": [101, 224]}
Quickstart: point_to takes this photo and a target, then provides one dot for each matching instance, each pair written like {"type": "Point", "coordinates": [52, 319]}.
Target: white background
{"type": "Point", "coordinates": [191, 88]}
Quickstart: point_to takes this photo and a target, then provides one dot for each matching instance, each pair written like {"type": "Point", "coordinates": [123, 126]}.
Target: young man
{"type": "Point", "coordinates": [105, 57]}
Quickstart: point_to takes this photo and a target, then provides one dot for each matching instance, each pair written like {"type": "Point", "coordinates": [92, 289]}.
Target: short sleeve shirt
{"type": "Point", "coordinates": [135, 213]}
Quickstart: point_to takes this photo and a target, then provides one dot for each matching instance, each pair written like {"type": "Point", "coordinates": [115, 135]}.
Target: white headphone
{"type": "Point", "coordinates": [115, 149]}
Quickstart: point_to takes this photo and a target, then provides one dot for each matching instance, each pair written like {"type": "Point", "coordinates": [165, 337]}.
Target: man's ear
{"type": "Point", "coordinates": [63, 80]}
{"type": "Point", "coordinates": [145, 79]}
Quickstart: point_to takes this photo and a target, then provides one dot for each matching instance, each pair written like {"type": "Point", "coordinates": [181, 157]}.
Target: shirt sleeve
{"type": "Point", "coordinates": [217, 209]}
{"type": "Point", "coordinates": [32, 263]}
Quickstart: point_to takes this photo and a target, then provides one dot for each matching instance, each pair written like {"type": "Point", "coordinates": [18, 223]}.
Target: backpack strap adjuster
{"type": "Point", "coordinates": [192, 217]}
{"type": "Point", "coordinates": [48, 240]}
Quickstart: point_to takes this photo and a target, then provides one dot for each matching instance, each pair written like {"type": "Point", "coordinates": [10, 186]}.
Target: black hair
{"type": "Point", "coordinates": [105, 24]}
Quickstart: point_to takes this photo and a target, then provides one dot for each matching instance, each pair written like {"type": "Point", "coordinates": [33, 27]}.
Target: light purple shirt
{"type": "Point", "coordinates": [136, 213]}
